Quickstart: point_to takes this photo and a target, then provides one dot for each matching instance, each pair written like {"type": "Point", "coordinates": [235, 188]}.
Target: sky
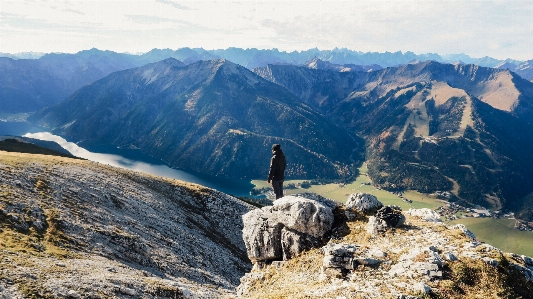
{"type": "Point", "coordinates": [499, 29]}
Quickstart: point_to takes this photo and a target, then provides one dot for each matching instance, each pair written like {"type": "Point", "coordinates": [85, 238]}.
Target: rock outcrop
{"type": "Point", "coordinates": [292, 224]}
{"type": "Point", "coordinates": [425, 213]}
{"type": "Point", "coordinates": [76, 229]}
{"type": "Point", "coordinates": [386, 218]}
{"type": "Point", "coordinates": [424, 258]}
{"type": "Point", "coordinates": [339, 259]}
{"type": "Point", "coordinates": [363, 202]}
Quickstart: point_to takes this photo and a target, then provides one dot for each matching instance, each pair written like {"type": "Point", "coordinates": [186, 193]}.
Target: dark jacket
{"type": "Point", "coordinates": [277, 166]}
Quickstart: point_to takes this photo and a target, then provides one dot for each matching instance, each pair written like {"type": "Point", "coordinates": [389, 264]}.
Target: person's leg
{"type": "Point", "coordinates": [276, 186]}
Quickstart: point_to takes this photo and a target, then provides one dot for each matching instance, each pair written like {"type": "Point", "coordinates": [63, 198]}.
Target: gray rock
{"type": "Point", "coordinates": [73, 294]}
{"type": "Point", "coordinates": [527, 260]}
{"type": "Point", "coordinates": [375, 226]}
{"type": "Point", "coordinates": [293, 243]}
{"type": "Point", "coordinates": [284, 230]}
{"type": "Point", "coordinates": [430, 269]}
{"type": "Point", "coordinates": [425, 214]}
{"type": "Point", "coordinates": [339, 259]}
{"type": "Point", "coordinates": [262, 237]}
{"type": "Point", "coordinates": [339, 249]}
{"type": "Point", "coordinates": [434, 258]}
{"type": "Point", "coordinates": [376, 252]}
{"type": "Point", "coordinates": [528, 274]}
{"type": "Point", "coordinates": [350, 215]}
{"type": "Point", "coordinates": [363, 202]}
{"type": "Point", "coordinates": [332, 204]}
{"type": "Point", "coordinates": [363, 260]}
{"type": "Point", "coordinates": [127, 291]}
{"type": "Point", "coordinates": [448, 256]}
{"type": "Point", "coordinates": [339, 256]}
{"type": "Point", "coordinates": [378, 225]}
{"type": "Point", "coordinates": [422, 288]}
{"type": "Point", "coordinates": [391, 215]}
{"type": "Point", "coordinates": [465, 231]}
{"type": "Point", "coordinates": [303, 215]}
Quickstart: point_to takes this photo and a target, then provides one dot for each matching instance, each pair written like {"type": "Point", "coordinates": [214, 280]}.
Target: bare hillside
{"type": "Point", "coordinates": [77, 229]}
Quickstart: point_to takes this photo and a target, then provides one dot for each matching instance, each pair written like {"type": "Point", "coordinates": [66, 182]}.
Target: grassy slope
{"type": "Point", "coordinates": [38, 252]}
{"type": "Point", "coordinates": [500, 233]}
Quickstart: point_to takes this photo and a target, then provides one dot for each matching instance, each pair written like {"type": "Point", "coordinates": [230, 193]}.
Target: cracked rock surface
{"type": "Point", "coordinates": [291, 225]}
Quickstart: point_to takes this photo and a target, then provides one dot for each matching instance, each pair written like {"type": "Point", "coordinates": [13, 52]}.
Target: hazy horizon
{"type": "Point", "coordinates": [498, 29]}
{"type": "Point", "coordinates": [260, 49]}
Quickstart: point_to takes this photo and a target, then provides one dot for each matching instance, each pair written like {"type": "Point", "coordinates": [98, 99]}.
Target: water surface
{"type": "Point", "coordinates": [138, 161]}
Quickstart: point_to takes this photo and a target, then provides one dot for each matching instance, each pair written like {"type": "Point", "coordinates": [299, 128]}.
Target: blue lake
{"type": "Point", "coordinates": [138, 161]}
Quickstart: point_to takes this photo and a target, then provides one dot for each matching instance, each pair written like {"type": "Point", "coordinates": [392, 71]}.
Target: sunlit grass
{"type": "Point", "coordinates": [500, 233]}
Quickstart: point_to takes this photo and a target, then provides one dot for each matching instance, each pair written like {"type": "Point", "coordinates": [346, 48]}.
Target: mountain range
{"type": "Point", "coordinates": [423, 125]}
{"type": "Point", "coordinates": [214, 117]}
{"type": "Point", "coordinates": [28, 84]}
{"type": "Point", "coordinates": [252, 57]}
{"type": "Point", "coordinates": [431, 126]}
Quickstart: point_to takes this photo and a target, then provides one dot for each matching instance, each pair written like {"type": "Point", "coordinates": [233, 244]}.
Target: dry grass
{"type": "Point", "coordinates": [275, 284]}
{"type": "Point", "coordinates": [303, 277]}
{"type": "Point", "coordinates": [472, 278]}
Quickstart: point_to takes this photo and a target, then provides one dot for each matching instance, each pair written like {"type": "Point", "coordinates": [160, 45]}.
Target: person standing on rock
{"type": "Point", "coordinates": [276, 175]}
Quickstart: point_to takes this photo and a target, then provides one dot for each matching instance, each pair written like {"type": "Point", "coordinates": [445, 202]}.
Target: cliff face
{"type": "Point", "coordinates": [77, 229]}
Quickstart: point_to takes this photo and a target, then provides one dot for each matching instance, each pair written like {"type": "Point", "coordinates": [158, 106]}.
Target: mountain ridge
{"type": "Point", "coordinates": [416, 117]}
{"type": "Point", "coordinates": [212, 116]}
{"type": "Point", "coordinates": [252, 57]}
{"type": "Point", "coordinates": [32, 84]}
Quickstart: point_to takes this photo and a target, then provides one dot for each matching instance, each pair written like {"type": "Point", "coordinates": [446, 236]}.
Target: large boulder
{"type": "Point", "coordinates": [363, 202]}
{"type": "Point", "coordinates": [293, 242]}
{"type": "Point", "coordinates": [261, 236]}
{"type": "Point", "coordinates": [281, 231]}
{"type": "Point", "coordinates": [303, 215]}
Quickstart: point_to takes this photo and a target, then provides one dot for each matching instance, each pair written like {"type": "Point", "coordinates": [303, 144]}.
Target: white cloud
{"type": "Point", "coordinates": [496, 28]}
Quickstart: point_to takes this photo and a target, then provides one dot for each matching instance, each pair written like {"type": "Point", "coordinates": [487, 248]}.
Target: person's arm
{"type": "Point", "coordinates": [272, 169]}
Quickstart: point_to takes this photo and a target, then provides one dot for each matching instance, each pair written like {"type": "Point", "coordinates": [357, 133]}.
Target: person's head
{"type": "Point", "coordinates": [276, 147]}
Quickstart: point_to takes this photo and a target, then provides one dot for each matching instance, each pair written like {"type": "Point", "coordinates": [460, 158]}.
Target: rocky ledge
{"type": "Point", "coordinates": [310, 247]}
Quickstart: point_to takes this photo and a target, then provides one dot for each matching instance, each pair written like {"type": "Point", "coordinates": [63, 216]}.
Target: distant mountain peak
{"type": "Point", "coordinates": [317, 63]}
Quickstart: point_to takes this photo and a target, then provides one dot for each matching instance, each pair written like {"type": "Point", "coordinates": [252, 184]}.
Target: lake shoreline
{"type": "Point", "coordinates": [138, 161]}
